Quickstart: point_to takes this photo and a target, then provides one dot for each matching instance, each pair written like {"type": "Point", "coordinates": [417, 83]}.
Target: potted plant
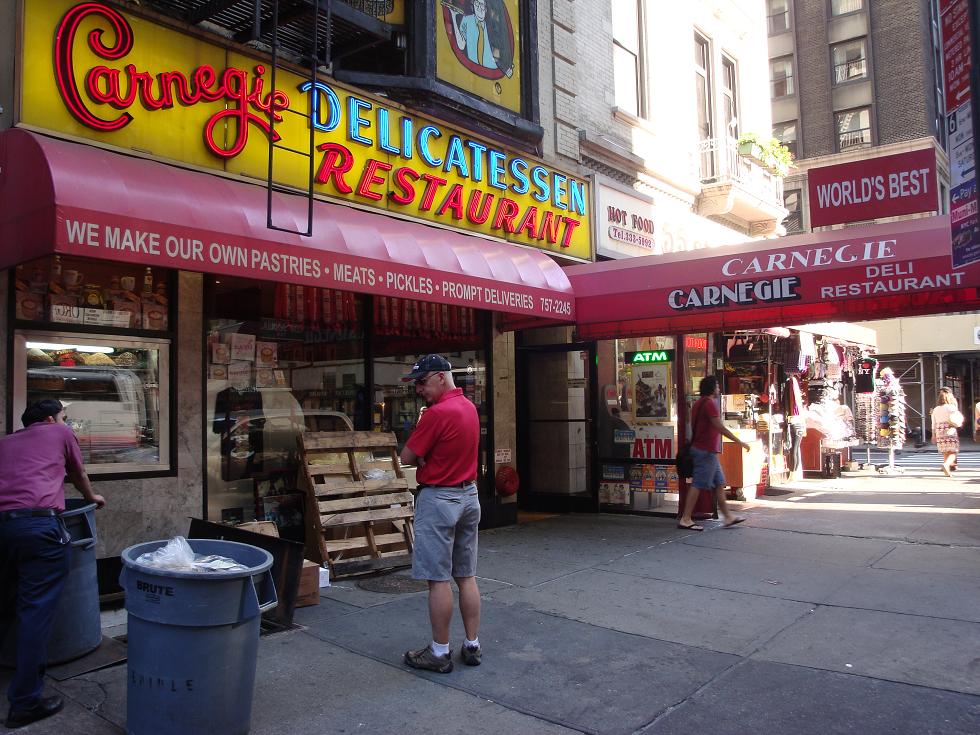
{"type": "Point", "coordinates": [769, 153]}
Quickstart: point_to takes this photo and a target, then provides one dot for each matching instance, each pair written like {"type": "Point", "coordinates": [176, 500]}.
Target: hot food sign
{"type": "Point", "coordinates": [128, 82]}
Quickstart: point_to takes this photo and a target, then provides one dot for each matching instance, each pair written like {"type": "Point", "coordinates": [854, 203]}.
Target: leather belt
{"type": "Point", "coordinates": [459, 485]}
{"type": "Point", "coordinates": [9, 515]}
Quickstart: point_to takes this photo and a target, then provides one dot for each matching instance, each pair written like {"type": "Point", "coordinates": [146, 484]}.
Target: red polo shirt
{"type": "Point", "coordinates": [447, 437]}
{"type": "Point", "coordinates": [34, 462]}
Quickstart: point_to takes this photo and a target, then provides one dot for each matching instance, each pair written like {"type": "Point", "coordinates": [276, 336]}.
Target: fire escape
{"type": "Point", "coordinates": [310, 35]}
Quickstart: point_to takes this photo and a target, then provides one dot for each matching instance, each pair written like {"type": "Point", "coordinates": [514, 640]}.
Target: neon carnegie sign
{"type": "Point", "coordinates": [104, 85]}
{"type": "Point", "coordinates": [414, 164]}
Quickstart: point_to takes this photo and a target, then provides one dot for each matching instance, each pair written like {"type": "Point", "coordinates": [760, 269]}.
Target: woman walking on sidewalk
{"type": "Point", "coordinates": [946, 420]}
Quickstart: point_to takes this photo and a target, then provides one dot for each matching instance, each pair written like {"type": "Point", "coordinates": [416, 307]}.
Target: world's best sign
{"type": "Point", "coordinates": [889, 186]}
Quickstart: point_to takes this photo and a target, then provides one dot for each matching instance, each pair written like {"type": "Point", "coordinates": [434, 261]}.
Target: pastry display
{"type": "Point", "coordinates": [36, 356]}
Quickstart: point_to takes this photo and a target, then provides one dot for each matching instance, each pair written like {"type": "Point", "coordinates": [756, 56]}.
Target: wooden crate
{"type": "Point", "coordinates": [355, 524]}
{"type": "Point", "coordinates": [309, 585]}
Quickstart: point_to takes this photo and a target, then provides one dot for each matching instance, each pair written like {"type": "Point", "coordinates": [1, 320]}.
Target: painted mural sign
{"type": "Point", "coordinates": [125, 81]}
{"type": "Point", "coordinates": [478, 46]}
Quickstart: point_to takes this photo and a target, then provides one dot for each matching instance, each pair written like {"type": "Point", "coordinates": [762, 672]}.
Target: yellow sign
{"type": "Point", "coordinates": [127, 82]}
{"type": "Point", "coordinates": [478, 48]}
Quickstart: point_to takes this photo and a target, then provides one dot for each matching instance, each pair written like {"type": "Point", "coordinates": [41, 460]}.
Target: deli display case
{"type": "Point", "coordinates": [115, 390]}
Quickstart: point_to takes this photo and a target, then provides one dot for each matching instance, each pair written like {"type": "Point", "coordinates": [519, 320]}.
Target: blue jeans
{"type": "Point", "coordinates": [34, 563]}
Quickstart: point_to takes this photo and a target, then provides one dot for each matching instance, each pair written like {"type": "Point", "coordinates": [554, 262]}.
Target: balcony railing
{"type": "Point", "coordinates": [721, 163]}
{"type": "Point", "coordinates": [854, 138]}
{"type": "Point", "coordinates": [840, 7]}
{"type": "Point", "coordinates": [854, 69]}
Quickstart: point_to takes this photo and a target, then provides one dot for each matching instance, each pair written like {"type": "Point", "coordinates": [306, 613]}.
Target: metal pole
{"type": "Point", "coordinates": [922, 396]}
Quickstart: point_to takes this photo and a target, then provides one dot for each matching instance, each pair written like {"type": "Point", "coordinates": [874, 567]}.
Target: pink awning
{"type": "Point", "coordinates": [80, 200]}
{"type": "Point", "coordinates": [859, 273]}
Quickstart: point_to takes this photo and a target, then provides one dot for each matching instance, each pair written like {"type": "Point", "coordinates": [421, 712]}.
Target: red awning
{"type": "Point", "coordinates": [80, 200]}
{"type": "Point", "coordinates": [856, 274]}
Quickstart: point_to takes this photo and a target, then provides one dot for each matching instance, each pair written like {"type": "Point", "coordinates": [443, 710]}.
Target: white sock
{"type": "Point", "coordinates": [475, 643]}
{"type": "Point", "coordinates": [440, 649]}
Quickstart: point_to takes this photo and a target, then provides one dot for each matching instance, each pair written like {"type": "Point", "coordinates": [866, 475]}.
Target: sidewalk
{"type": "Point", "coordinates": [840, 606]}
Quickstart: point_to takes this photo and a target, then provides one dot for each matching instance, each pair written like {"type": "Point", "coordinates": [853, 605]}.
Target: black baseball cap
{"type": "Point", "coordinates": [41, 410]}
{"type": "Point", "coordinates": [426, 365]}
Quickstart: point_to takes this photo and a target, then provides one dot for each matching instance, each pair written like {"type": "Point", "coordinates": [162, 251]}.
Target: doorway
{"type": "Point", "coordinates": [555, 428]}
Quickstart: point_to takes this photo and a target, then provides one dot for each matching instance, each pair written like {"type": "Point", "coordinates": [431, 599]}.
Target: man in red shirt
{"type": "Point", "coordinates": [706, 433]}
{"type": "Point", "coordinates": [35, 546]}
{"type": "Point", "coordinates": [444, 447]}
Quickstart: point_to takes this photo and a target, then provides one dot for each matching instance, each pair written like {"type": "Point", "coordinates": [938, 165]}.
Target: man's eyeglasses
{"type": "Point", "coordinates": [422, 381]}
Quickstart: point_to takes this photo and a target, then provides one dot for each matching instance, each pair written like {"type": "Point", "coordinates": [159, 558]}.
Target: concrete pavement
{"type": "Point", "coordinates": [841, 606]}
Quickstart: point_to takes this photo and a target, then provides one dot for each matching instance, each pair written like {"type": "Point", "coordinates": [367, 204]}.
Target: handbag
{"type": "Point", "coordinates": [956, 418]}
{"type": "Point", "coordinates": [685, 460]}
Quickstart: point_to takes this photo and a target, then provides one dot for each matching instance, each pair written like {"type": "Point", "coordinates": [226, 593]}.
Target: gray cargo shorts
{"type": "Point", "coordinates": [446, 521]}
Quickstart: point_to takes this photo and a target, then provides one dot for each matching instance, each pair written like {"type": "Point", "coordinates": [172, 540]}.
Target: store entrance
{"type": "Point", "coordinates": [555, 430]}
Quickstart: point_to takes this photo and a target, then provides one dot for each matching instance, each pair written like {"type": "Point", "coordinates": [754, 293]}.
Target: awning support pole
{"type": "Point", "coordinates": [922, 396]}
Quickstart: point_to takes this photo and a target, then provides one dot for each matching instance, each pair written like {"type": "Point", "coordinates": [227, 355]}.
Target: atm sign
{"type": "Point", "coordinates": [649, 357]}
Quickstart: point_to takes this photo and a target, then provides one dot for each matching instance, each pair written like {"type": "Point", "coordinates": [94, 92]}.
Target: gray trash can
{"type": "Point", "coordinates": [77, 626]}
{"type": "Point", "coordinates": [193, 638]}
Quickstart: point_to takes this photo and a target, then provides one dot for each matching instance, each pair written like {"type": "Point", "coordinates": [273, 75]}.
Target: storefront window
{"type": "Point", "coordinates": [115, 391]}
{"type": "Point", "coordinates": [637, 422]}
{"type": "Point", "coordinates": [409, 330]}
{"type": "Point", "coordinates": [285, 359]}
{"type": "Point", "coordinates": [87, 335]}
{"type": "Point", "coordinates": [78, 292]}
{"type": "Point", "coordinates": [281, 359]}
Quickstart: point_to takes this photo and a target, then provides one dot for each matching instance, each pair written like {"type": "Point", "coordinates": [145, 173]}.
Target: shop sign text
{"type": "Point", "coordinates": [650, 356]}
{"type": "Point", "coordinates": [114, 87]}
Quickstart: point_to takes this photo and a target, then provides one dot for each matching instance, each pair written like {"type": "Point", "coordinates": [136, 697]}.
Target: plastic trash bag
{"type": "Point", "coordinates": [178, 556]}
{"type": "Point", "coordinates": [379, 474]}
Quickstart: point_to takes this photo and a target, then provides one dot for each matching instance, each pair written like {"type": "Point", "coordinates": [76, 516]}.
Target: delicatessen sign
{"type": "Point", "coordinates": [92, 71]}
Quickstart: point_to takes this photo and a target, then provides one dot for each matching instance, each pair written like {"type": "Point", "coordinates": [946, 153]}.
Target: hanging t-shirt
{"type": "Point", "coordinates": [864, 377]}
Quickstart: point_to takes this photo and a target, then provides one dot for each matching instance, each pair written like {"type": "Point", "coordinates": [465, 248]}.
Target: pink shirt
{"type": "Point", "coordinates": [34, 462]}
{"type": "Point", "coordinates": [448, 438]}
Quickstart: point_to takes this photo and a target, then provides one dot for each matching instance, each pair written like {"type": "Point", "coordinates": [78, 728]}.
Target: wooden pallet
{"type": "Point", "coordinates": [354, 524]}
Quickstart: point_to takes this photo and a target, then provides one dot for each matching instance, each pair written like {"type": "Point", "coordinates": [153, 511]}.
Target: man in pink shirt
{"type": "Point", "coordinates": [35, 546]}
{"type": "Point", "coordinates": [444, 447]}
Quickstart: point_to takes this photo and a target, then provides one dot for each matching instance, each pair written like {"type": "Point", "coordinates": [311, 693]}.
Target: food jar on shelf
{"type": "Point", "coordinates": [92, 296]}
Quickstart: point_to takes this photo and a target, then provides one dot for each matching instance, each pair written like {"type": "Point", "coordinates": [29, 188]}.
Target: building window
{"type": "Point", "coordinates": [842, 7]}
{"type": "Point", "coordinates": [729, 91]}
{"type": "Point", "coordinates": [626, 57]}
{"type": "Point", "coordinates": [786, 134]}
{"type": "Point", "coordinates": [850, 60]}
{"type": "Point", "coordinates": [792, 202]}
{"type": "Point", "coordinates": [778, 12]}
{"type": "Point", "coordinates": [781, 77]}
{"type": "Point", "coordinates": [854, 128]}
{"type": "Point", "coordinates": [702, 91]}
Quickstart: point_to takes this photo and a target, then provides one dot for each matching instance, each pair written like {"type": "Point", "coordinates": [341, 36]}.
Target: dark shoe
{"type": "Point", "coordinates": [44, 708]}
{"type": "Point", "coordinates": [692, 527]}
{"type": "Point", "coordinates": [424, 658]}
{"type": "Point", "coordinates": [471, 656]}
